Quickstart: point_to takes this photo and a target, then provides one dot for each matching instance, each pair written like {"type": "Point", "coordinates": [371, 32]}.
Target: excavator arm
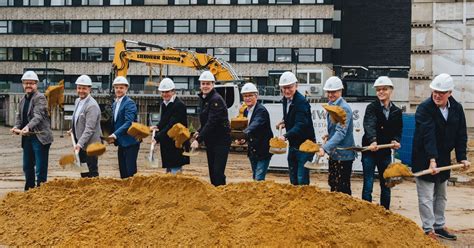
{"type": "Point", "coordinates": [170, 56]}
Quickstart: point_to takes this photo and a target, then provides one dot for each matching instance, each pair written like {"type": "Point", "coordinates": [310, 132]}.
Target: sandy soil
{"type": "Point", "coordinates": [459, 213]}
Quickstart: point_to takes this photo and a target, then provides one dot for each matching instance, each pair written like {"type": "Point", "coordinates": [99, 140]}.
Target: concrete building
{"type": "Point", "coordinates": [443, 42]}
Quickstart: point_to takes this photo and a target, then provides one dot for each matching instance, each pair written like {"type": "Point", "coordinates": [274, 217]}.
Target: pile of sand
{"type": "Point", "coordinates": [167, 210]}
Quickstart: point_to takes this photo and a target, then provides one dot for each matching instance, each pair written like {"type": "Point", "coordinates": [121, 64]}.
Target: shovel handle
{"type": "Point", "coordinates": [445, 168]}
{"type": "Point", "coordinates": [76, 153]}
{"type": "Point", "coordinates": [384, 146]}
{"type": "Point", "coordinates": [152, 147]}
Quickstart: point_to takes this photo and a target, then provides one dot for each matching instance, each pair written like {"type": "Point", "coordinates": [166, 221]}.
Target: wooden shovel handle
{"type": "Point", "coordinates": [445, 168]}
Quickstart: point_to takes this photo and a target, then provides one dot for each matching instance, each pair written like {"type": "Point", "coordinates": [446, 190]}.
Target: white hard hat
{"type": "Point", "coordinates": [249, 88]}
{"type": "Point", "coordinates": [84, 80]}
{"type": "Point", "coordinates": [287, 78]}
{"type": "Point", "coordinates": [383, 81]}
{"type": "Point", "coordinates": [207, 76]}
{"type": "Point", "coordinates": [333, 83]}
{"type": "Point", "coordinates": [120, 80]}
{"type": "Point", "coordinates": [30, 75]}
{"type": "Point", "coordinates": [443, 82]}
{"type": "Point", "coordinates": [166, 85]}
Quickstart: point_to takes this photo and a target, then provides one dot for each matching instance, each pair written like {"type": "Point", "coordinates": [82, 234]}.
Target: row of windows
{"type": "Point", "coordinates": [239, 55]}
{"type": "Point", "coordinates": [307, 26]}
{"type": "Point", "coordinates": [20, 3]}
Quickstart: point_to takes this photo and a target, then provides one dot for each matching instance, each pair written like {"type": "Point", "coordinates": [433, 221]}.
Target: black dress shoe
{"type": "Point", "coordinates": [444, 234]}
{"type": "Point", "coordinates": [85, 174]}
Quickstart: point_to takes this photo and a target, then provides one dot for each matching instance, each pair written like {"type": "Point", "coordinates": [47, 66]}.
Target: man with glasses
{"type": "Point", "coordinates": [258, 132]}
{"type": "Point", "coordinates": [299, 127]}
{"type": "Point", "coordinates": [34, 124]}
{"type": "Point", "coordinates": [339, 136]}
{"type": "Point", "coordinates": [382, 125]}
{"type": "Point", "coordinates": [440, 128]}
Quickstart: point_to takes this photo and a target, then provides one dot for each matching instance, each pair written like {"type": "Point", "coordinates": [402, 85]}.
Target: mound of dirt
{"type": "Point", "coordinates": [165, 210]}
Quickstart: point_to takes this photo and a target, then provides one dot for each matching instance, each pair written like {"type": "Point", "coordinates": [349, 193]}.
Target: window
{"type": "Point", "coordinates": [220, 53]}
{"type": "Point", "coordinates": [120, 26]}
{"type": "Point", "coordinates": [61, 2]}
{"type": "Point", "coordinates": [156, 2]}
{"type": "Point", "coordinates": [33, 27]}
{"type": "Point", "coordinates": [311, 1]}
{"type": "Point", "coordinates": [33, 2]}
{"type": "Point", "coordinates": [33, 54]}
{"type": "Point", "coordinates": [280, 26]}
{"type": "Point", "coordinates": [246, 55]}
{"type": "Point", "coordinates": [280, 1]}
{"type": "Point", "coordinates": [218, 1]}
{"type": "Point", "coordinates": [91, 27]}
{"type": "Point", "coordinates": [120, 2]}
{"type": "Point", "coordinates": [218, 26]}
{"type": "Point", "coordinates": [6, 53]}
{"type": "Point", "coordinates": [181, 82]}
{"type": "Point", "coordinates": [279, 54]}
{"type": "Point", "coordinates": [5, 27]}
{"type": "Point", "coordinates": [59, 54]}
{"type": "Point", "coordinates": [310, 55]}
{"type": "Point", "coordinates": [111, 54]}
{"type": "Point", "coordinates": [155, 26]}
{"type": "Point", "coordinates": [185, 2]}
{"type": "Point", "coordinates": [92, 2]}
{"type": "Point", "coordinates": [6, 2]}
{"type": "Point", "coordinates": [310, 76]}
{"type": "Point", "coordinates": [91, 54]}
{"type": "Point", "coordinates": [307, 26]}
{"type": "Point", "coordinates": [247, 26]}
{"type": "Point", "coordinates": [247, 2]}
{"type": "Point", "coordinates": [60, 27]}
{"type": "Point", "coordinates": [185, 26]}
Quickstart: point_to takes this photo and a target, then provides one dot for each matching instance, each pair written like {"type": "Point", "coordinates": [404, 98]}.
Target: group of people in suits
{"type": "Point", "coordinates": [440, 128]}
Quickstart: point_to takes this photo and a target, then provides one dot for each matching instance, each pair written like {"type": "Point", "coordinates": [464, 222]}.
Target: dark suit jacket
{"type": "Point", "coordinates": [435, 137]}
{"type": "Point", "coordinates": [259, 133]}
{"type": "Point", "coordinates": [298, 122]}
{"type": "Point", "coordinates": [125, 116]}
{"type": "Point", "coordinates": [38, 118]}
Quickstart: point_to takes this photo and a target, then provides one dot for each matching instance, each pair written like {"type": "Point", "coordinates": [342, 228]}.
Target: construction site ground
{"type": "Point", "coordinates": [459, 210]}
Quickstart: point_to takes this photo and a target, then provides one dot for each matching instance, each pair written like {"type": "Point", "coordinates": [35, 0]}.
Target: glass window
{"type": "Point", "coordinates": [33, 54]}
{"type": "Point", "coordinates": [218, 1]}
{"type": "Point", "coordinates": [222, 53]}
{"type": "Point", "coordinates": [91, 54]}
{"type": "Point", "coordinates": [92, 2]}
{"type": "Point", "coordinates": [61, 2]}
{"type": "Point", "coordinates": [319, 55]}
{"type": "Point", "coordinates": [222, 26]}
{"type": "Point", "coordinates": [247, 26]}
{"type": "Point", "coordinates": [6, 53]}
{"type": "Point", "coordinates": [56, 54]}
{"type": "Point", "coordinates": [210, 26]}
{"type": "Point", "coordinates": [185, 26]}
{"type": "Point", "coordinates": [60, 27]}
{"type": "Point", "coordinates": [319, 26]}
{"type": "Point", "coordinates": [181, 82]}
{"type": "Point", "coordinates": [33, 27]}
{"type": "Point", "coordinates": [280, 26]}
{"type": "Point", "coordinates": [156, 2]}
{"type": "Point", "coordinates": [280, 1]}
{"type": "Point", "coordinates": [306, 55]}
{"type": "Point", "coordinates": [246, 54]}
{"type": "Point", "coordinates": [6, 2]}
{"type": "Point", "coordinates": [91, 26]}
{"type": "Point", "coordinates": [279, 54]}
{"type": "Point", "coordinates": [185, 2]}
{"type": "Point", "coordinates": [156, 26]}
{"type": "Point", "coordinates": [120, 26]}
{"type": "Point", "coordinates": [307, 26]}
{"type": "Point", "coordinates": [247, 2]}
{"type": "Point", "coordinates": [311, 1]}
{"type": "Point", "coordinates": [33, 2]}
{"type": "Point", "coordinates": [111, 54]}
{"type": "Point", "coordinates": [5, 27]}
{"type": "Point", "coordinates": [120, 2]}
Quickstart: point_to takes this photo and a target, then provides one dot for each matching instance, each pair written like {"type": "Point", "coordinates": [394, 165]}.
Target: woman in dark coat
{"type": "Point", "coordinates": [173, 111]}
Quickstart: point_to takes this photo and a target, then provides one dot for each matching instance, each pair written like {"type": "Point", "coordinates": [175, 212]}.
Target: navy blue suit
{"type": "Point", "coordinates": [128, 146]}
{"type": "Point", "coordinates": [299, 127]}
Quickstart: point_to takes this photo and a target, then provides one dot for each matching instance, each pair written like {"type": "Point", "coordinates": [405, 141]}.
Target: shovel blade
{"type": "Point", "coordinates": [151, 162]}
{"type": "Point", "coordinates": [190, 154]}
{"type": "Point", "coordinates": [392, 181]}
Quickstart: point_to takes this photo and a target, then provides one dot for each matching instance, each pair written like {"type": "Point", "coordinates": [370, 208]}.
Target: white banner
{"type": "Point", "coordinates": [320, 128]}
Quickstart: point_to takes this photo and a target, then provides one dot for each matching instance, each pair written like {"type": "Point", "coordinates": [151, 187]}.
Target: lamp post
{"type": "Point", "coordinates": [296, 51]}
{"type": "Point", "coordinates": [46, 51]}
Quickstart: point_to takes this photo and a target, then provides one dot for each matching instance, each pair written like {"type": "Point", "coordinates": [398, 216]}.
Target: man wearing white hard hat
{"type": "Point", "coordinates": [214, 130]}
{"type": "Point", "coordinates": [124, 112]}
{"type": "Point", "coordinates": [382, 125]}
{"type": "Point", "coordinates": [33, 123]}
{"type": "Point", "coordinates": [173, 111]}
{"type": "Point", "coordinates": [258, 132]}
{"type": "Point", "coordinates": [86, 124]}
{"type": "Point", "coordinates": [299, 127]}
{"type": "Point", "coordinates": [440, 129]}
{"type": "Point", "coordinates": [339, 136]}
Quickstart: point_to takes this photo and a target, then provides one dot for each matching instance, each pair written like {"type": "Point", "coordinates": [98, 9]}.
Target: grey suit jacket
{"type": "Point", "coordinates": [38, 118]}
{"type": "Point", "coordinates": [87, 127]}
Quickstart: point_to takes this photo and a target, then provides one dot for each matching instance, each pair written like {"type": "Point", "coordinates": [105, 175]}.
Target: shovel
{"type": "Point", "coordinates": [315, 164]}
{"type": "Point", "coordinates": [71, 158]}
{"type": "Point", "coordinates": [365, 148]}
{"type": "Point", "coordinates": [191, 153]}
{"type": "Point", "coordinates": [276, 150]}
{"type": "Point", "coordinates": [150, 160]}
{"type": "Point", "coordinates": [392, 181]}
